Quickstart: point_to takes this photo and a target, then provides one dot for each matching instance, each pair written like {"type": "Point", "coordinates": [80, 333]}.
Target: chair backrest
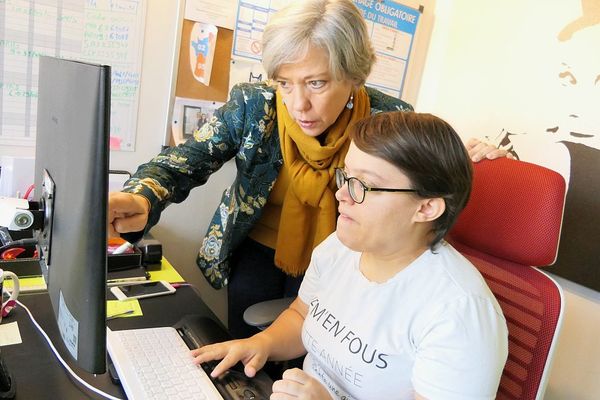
{"type": "Point", "coordinates": [512, 222]}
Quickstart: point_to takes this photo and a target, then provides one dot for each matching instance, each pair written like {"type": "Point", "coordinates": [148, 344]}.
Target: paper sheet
{"type": "Point", "coordinates": [217, 12]}
{"type": "Point", "coordinates": [10, 334]}
{"type": "Point", "coordinates": [245, 71]}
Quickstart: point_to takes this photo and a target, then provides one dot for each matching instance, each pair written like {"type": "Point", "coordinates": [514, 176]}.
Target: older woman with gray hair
{"type": "Point", "coordinates": [287, 137]}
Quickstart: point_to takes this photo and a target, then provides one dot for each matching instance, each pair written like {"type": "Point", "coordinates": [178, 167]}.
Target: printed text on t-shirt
{"type": "Point", "coordinates": [341, 332]}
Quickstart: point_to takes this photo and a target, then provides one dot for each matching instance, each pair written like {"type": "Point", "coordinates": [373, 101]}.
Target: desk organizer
{"type": "Point", "coordinates": [22, 267]}
{"type": "Point", "coordinates": [117, 262]}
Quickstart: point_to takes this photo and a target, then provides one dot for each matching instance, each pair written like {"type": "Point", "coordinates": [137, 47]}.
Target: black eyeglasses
{"type": "Point", "coordinates": [357, 188]}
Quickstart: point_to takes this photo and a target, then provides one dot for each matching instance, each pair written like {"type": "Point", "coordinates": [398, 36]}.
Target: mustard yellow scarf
{"type": "Point", "coordinates": [309, 208]}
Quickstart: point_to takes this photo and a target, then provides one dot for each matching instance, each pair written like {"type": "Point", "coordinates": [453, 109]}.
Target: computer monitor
{"type": "Point", "coordinates": [71, 184]}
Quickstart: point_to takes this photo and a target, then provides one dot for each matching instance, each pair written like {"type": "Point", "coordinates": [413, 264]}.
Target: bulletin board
{"type": "Point", "coordinates": [192, 95]}
{"type": "Point", "coordinates": [405, 24]}
{"type": "Point", "coordinates": [95, 31]}
{"type": "Point", "coordinates": [399, 31]}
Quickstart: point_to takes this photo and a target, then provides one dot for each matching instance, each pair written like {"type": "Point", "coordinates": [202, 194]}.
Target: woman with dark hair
{"type": "Point", "coordinates": [388, 309]}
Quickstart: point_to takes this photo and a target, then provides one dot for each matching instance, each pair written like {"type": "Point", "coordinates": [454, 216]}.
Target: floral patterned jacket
{"type": "Point", "coordinates": [244, 128]}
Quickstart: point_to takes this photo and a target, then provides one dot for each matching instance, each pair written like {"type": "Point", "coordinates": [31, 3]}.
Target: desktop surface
{"type": "Point", "coordinates": [37, 372]}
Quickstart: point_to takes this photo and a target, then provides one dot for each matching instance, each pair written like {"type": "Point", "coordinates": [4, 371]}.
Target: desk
{"type": "Point", "coordinates": [37, 372]}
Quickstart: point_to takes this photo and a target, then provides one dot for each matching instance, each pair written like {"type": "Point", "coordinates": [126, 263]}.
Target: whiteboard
{"type": "Point", "coordinates": [106, 32]}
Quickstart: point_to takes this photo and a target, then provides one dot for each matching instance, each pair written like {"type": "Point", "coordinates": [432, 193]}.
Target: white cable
{"type": "Point", "coordinates": [64, 364]}
{"type": "Point", "coordinates": [122, 248]}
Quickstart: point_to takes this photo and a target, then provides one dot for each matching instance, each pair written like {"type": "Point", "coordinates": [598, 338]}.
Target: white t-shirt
{"type": "Point", "coordinates": [434, 328]}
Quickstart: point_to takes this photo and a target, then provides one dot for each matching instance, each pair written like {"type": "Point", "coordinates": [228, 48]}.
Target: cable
{"type": "Point", "coordinates": [178, 285]}
{"type": "Point", "coordinates": [18, 243]}
{"type": "Point", "coordinates": [63, 362]}
{"type": "Point", "coordinates": [119, 172]}
{"type": "Point", "coordinates": [28, 192]}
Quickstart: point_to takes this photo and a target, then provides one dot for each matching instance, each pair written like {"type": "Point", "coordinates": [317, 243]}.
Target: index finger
{"type": "Point", "coordinates": [226, 363]}
{"type": "Point", "coordinates": [472, 142]}
{"type": "Point", "coordinates": [480, 151]}
{"type": "Point", "coordinates": [216, 352]}
{"type": "Point", "coordinates": [133, 223]}
{"type": "Point", "coordinates": [498, 153]}
{"type": "Point", "coordinates": [209, 352]}
{"type": "Point", "coordinates": [127, 203]}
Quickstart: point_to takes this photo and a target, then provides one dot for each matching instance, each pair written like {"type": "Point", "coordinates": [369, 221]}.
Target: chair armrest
{"type": "Point", "coordinates": [264, 313]}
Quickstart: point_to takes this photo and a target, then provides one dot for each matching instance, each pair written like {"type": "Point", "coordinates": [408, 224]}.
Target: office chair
{"type": "Point", "coordinates": [511, 222]}
{"type": "Point", "coordinates": [261, 315]}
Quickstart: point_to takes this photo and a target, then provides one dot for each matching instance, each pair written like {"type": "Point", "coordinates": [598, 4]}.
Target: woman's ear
{"type": "Point", "coordinates": [430, 209]}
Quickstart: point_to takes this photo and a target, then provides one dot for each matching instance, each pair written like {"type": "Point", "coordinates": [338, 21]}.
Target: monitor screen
{"type": "Point", "coordinates": [71, 181]}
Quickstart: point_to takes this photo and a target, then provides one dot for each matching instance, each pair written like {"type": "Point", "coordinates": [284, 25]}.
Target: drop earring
{"type": "Point", "coordinates": [350, 104]}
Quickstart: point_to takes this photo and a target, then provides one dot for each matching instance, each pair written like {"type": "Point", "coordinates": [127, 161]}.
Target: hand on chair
{"type": "Point", "coordinates": [479, 150]}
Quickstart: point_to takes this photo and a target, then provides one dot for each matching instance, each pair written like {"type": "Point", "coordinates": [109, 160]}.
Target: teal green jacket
{"type": "Point", "coordinates": [245, 128]}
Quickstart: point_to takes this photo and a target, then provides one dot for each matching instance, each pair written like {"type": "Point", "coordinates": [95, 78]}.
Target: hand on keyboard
{"type": "Point", "coordinates": [252, 352]}
{"type": "Point", "coordinates": [199, 331]}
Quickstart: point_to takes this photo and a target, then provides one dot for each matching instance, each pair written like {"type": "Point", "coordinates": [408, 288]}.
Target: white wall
{"type": "Point", "coordinates": [486, 71]}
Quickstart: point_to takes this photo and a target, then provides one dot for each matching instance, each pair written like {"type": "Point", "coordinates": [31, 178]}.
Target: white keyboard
{"type": "Point", "coordinates": [155, 363]}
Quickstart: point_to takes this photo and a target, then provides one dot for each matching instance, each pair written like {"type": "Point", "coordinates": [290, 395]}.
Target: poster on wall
{"type": "Point", "coordinates": [218, 12]}
{"type": "Point", "coordinates": [252, 17]}
{"type": "Point", "coordinates": [203, 38]}
{"type": "Point", "coordinates": [560, 128]}
{"type": "Point", "coordinates": [391, 25]}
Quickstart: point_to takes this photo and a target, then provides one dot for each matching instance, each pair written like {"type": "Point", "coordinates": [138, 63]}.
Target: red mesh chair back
{"type": "Point", "coordinates": [512, 222]}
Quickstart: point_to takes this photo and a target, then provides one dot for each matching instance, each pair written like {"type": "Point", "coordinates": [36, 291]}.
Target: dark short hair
{"type": "Point", "coordinates": [428, 151]}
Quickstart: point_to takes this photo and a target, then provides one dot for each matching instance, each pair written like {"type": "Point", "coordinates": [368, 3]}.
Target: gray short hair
{"type": "Point", "coordinates": [337, 26]}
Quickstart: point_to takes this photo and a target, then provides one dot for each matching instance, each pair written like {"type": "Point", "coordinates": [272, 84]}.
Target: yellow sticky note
{"type": "Point", "coordinates": [123, 308]}
{"type": "Point", "coordinates": [28, 284]}
{"type": "Point", "coordinates": [166, 273]}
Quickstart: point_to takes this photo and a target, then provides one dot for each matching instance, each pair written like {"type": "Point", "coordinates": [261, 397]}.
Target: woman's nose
{"type": "Point", "coordinates": [342, 194]}
{"type": "Point", "coordinates": [301, 100]}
